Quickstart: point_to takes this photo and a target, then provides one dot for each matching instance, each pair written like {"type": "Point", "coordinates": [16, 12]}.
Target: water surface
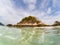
{"type": "Point", "coordinates": [30, 36]}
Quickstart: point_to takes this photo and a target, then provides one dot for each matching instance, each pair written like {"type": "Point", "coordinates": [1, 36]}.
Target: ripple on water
{"type": "Point", "coordinates": [30, 36]}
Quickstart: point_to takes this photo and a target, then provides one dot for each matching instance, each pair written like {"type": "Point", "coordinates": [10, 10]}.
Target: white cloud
{"type": "Point", "coordinates": [11, 15]}
{"type": "Point", "coordinates": [51, 19]}
{"type": "Point", "coordinates": [56, 4]}
{"type": "Point", "coordinates": [7, 12]}
{"type": "Point", "coordinates": [30, 1]}
{"type": "Point", "coordinates": [49, 11]}
{"type": "Point", "coordinates": [44, 4]}
{"type": "Point", "coordinates": [31, 4]}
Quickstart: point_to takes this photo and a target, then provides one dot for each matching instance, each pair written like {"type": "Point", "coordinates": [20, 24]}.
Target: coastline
{"type": "Point", "coordinates": [32, 21]}
{"type": "Point", "coordinates": [37, 26]}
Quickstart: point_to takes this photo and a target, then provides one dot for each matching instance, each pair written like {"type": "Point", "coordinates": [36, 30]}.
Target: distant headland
{"type": "Point", "coordinates": [32, 21]}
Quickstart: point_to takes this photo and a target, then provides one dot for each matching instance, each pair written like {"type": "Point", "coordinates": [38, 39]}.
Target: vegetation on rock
{"type": "Point", "coordinates": [57, 23]}
{"type": "Point", "coordinates": [29, 19]}
{"type": "Point", "coordinates": [9, 25]}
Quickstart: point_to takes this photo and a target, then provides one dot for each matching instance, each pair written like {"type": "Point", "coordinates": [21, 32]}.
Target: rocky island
{"type": "Point", "coordinates": [32, 21]}
{"type": "Point", "coordinates": [56, 23]}
{"type": "Point", "coordinates": [29, 21]}
{"type": "Point", "coordinates": [1, 24]}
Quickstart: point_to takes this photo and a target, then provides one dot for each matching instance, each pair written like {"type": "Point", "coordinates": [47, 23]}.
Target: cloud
{"type": "Point", "coordinates": [56, 3]}
{"type": "Point", "coordinates": [49, 10]}
{"type": "Point", "coordinates": [10, 14]}
{"type": "Point", "coordinates": [7, 12]}
{"type": "Point", "coordinates": [31, 4]}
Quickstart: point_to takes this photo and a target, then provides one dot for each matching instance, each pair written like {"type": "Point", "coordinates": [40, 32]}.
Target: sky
{"type": "Point", "coordinates": [12, 11]}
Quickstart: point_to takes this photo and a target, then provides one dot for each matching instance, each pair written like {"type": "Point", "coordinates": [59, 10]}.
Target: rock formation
{"type": "Point", "coordinates": [56, 23]}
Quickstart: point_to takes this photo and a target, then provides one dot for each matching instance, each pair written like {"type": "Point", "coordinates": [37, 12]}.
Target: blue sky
{"type": "Point", "coordinates": [12, 11]}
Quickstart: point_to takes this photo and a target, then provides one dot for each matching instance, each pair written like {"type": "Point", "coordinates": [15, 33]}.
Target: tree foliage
{"type": "Point", "coordinates": [29, 19]}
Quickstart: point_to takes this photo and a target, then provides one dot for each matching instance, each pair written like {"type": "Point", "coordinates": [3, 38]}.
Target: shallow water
{"type": "Point", "coordinates": [30, 36]}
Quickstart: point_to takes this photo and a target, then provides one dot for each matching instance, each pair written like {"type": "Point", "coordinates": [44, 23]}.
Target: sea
{"type": "Point", "coordinates": [30, 35]}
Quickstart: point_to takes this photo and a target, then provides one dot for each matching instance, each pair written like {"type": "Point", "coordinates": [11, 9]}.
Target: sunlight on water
{"type": "Point", "coordinates": [30, 36]}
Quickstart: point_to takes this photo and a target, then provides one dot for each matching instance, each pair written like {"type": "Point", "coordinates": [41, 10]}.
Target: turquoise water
{"type": "Point", "coordinates": [30, 36]}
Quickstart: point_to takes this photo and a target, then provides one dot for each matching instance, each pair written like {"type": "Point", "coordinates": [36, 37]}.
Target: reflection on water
{"type": "Point", "coordinates": [30, 36]}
